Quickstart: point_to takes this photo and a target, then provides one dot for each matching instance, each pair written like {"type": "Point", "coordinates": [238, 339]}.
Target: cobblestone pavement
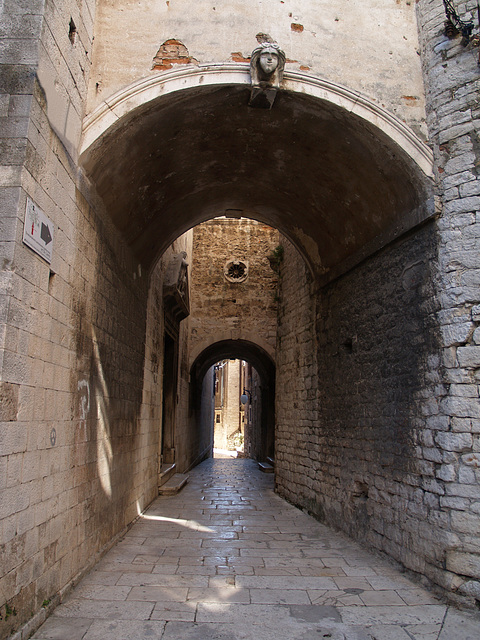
{"type": "Point", "coordinates": [227, 559]}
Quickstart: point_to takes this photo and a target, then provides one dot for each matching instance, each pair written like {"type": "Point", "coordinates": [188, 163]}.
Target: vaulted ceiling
{"type": "Point", "coordinates": [330, 181]}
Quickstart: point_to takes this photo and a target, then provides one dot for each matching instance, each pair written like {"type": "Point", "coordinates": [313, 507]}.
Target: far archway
{"type": "Point", "coordinates": [262, 442]}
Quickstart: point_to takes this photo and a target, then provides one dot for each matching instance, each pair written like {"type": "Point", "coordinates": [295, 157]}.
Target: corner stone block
{"type": "Point", "coordinates": [471, 588]}
{"type": "Point", "coordinates": [4, 104]}
{"type": "Point", "coordinates": [8, 401]}
{"type": "Point", "coordinates": [465, 564]}
{"type": "Point", "coordinates": [456, 334]}
{"type": "Point", "coordinates": [466, 523]}
{"type": "Point", "coordinates": [461, 407]}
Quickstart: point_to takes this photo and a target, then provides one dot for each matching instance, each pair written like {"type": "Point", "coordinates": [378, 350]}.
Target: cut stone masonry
{"type": "Point", "coordinates": [376, 345]}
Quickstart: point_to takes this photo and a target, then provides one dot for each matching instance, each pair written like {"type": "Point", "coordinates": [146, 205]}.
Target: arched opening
{"type": "Point", "coordinates": [229, 425]}
{"type": "Point", "coordinates": [336, 174]}
{"type": "Point", "coordinates": [261, 439]}
{"type": "Point", "coordinates": [342, 189]}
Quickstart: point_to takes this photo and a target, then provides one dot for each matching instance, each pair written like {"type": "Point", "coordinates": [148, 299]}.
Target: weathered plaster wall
{"type": "Point", "coordinates": [370, 46]}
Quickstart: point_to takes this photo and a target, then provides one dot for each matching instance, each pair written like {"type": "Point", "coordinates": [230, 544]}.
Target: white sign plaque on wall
{"type": "Point", "coordinates": [38, 231]}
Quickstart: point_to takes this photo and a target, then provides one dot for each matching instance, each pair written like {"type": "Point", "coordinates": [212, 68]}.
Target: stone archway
{"type": "Point", "coordinates": [386, 315]}
{"type": "Point", "coordinates": [341, 183]}
{"type": "Point", "coordinates": [261, 361]}
{"type": "Point", "coordinates": [337, 174]}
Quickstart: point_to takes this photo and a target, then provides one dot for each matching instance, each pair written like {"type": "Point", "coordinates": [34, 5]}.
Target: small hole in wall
{"type": "Point", "coordinates": [50, 281]}
{"type": "Point", "coordinates": [359, 491]}
{"type": "Point", "coordinates": [72, 31]}
{"type": "Point", "coordinates": [348, 345]}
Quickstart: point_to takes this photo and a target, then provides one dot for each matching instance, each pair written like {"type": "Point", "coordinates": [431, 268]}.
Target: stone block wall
{"type": "Point", "coordinates": [256, 444]}
{"type": "Point", "coordinates": [154, 362]}
{"type": "Point", "coordinates": [204, 426]}
{"type": "Point", "coordinates": [18, 62]}
{"type": "Point", "coordinates": [356, 440]}
{"type": "Point", "coordinates": [41, 499]}
{"type": "Point", "coordinates": [452, 80]}
{"type": "Point", "coordinates": [396, 360]}
{"type": "Point", "coordinates": [244, 310]}
{"type": "Point", "coordinates": [224, 310]}
{"type": "Point", "coordinates": [79, 460]}
{"type": "Point", "coordinates": [192, 441]}
{"type": "Point", "coordinates": [79, 430]}
{"type": "Point", "coordinates": [296, 410]}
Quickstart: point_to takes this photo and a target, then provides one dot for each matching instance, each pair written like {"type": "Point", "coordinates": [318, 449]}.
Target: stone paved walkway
{"type": "Point", "coordinates": [227, 559]}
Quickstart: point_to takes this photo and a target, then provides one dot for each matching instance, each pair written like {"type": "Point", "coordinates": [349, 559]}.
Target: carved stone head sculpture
{"type": "Point", "coordinates": [266, 66]}
{"type": "Point", "coordinates": [266, 71]}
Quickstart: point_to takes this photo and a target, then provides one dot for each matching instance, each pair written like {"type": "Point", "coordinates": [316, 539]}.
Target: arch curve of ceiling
{"type": "Point", "coordinates": [332, 171]}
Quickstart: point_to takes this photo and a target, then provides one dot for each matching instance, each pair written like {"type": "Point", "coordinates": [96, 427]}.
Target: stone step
{"type": "Point", "coordinates": [166, 472]}
{"type": "Point", "coordinates": [271, 461]}
{"type": "Point", "coordinates": [173, 485]}
{"type": "Point", "coordinates": [266, 467]}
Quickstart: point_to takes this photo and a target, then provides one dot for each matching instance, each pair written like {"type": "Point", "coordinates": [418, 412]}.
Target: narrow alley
{"type": "Point", "coordinates": [228, 559]}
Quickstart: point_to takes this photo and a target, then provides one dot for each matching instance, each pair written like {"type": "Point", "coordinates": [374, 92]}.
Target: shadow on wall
{"type": "Point", "coordinates": [377, 362]}
{"type": "Point", "coordinates": [114, 456]}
